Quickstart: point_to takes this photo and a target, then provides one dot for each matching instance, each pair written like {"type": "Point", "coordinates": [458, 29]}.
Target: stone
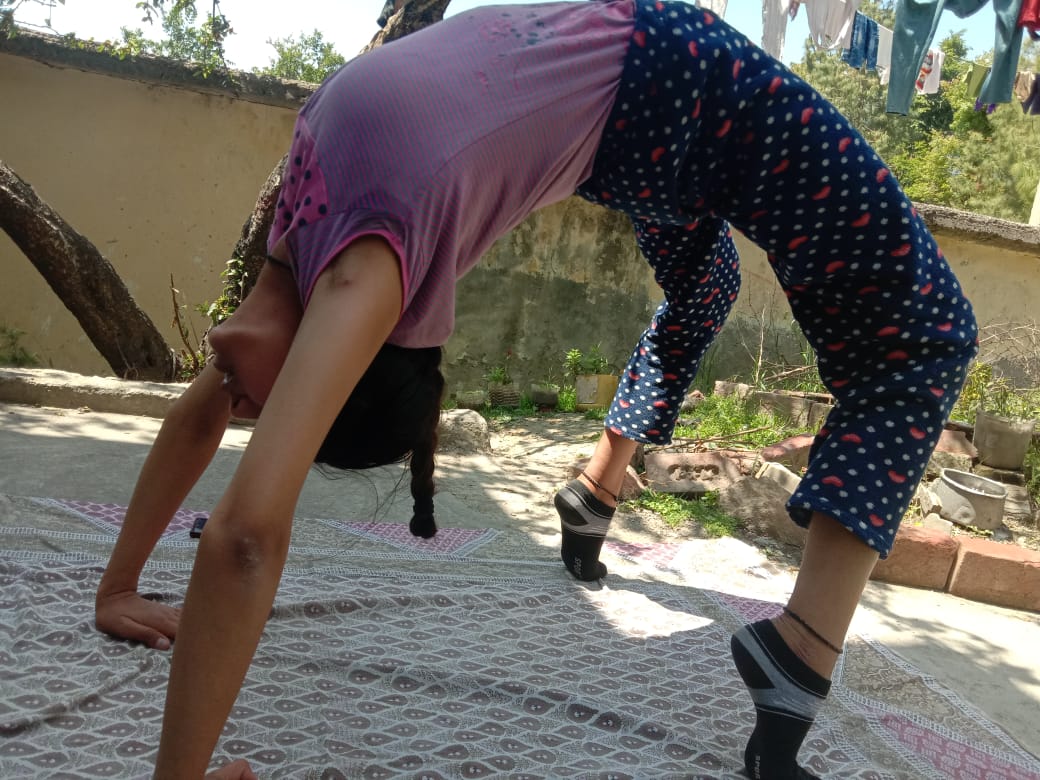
{"type": "Point", "coordinates": [1000, 475]}
{"type": "Point", "coordinates": [1003, 574]}
{"type": "Point", "coordinates": [953, 451]}
{"type": "Point", "coordinates": [760, 505]}
{"type": "Point", "coordinates": [689, 473]}
{"type": "Point", "coordinates": [1018, 505]}
{"type": "Point", "coordinates": [781, 475]}
{"type": "Point", "coordinates": [739, 389]}
{"type": "Point", "coordinates": [463, 430]}
{"type": "Point", "coordinates": [920, 558]}
{"type": "Point", "coordinates": [928, 500]}
{"type": "Point", "coordinates": [792, 452]}
{"type": "Point", "coordinates": [471, 399]}
{"type": "Point", "coordinates": [692, 400]}
{"type": "Point", "coordinates": [935, 522]}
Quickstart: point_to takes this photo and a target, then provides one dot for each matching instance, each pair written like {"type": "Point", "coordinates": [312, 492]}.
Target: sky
{"type": "Point", "coordinates": [350, 24]}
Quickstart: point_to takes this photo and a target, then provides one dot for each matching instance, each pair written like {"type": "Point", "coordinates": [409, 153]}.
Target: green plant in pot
{"type": "Point", "coordinates": [594, 383]}
{"type": "Point", "coordinates": [1005, 418]}
{"type": "Point", "coordinates": [502, 391]}
{"type": "Point", "coordinates": [546, 393]}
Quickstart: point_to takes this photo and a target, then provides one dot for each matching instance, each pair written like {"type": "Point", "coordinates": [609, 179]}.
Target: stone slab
{"type": "Point", "coordinates": [1002, 574]}
{"type": "Point", "coordinates": [689, 473]}
{"type": "Point", "coordinates": [920, 558]}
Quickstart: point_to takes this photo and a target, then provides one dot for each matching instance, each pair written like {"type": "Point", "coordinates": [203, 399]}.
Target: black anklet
{"type": "Point", "coordinates": [594, 482]}
{"type": "Point", "coordinates": [812, 630]}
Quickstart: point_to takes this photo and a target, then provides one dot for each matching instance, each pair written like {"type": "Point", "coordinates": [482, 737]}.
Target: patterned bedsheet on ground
{"type": "Point", "coordinates": [475, 656]}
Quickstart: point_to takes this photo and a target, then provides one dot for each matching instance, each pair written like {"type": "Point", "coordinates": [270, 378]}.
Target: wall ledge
{"type": "Point", "coordinates": [944, 221]}
{"type": "Point", "coordinates": [92, 57]}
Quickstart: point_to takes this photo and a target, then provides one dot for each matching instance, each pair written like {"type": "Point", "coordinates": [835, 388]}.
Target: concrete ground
{"type": "Point", "coordinates": [988, 655]}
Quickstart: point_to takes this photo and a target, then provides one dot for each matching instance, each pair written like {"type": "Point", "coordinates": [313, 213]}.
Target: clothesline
{"type": "Point", "coordinates": [906, 61]}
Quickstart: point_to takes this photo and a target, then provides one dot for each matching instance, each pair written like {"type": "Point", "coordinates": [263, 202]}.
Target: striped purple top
{"type": "Point", "coordinates": [443, 141]}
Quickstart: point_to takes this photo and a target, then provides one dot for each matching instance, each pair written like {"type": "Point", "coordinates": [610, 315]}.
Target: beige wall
{"type": "Point", "coordinates": [161, 178]}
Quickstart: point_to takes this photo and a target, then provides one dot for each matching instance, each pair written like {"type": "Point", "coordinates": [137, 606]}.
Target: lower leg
{"type": "Point", "coordinates": [787, 662]}
{"type": "Point", "coordinates": [586, 505]}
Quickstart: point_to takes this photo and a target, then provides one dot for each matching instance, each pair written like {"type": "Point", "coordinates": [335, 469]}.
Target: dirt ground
{"type": "Point", "coordinates": [552, 443]}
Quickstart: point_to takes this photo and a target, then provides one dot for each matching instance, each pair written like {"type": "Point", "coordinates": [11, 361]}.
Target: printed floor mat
{"type": "Point", "coordinates": [474, 657]}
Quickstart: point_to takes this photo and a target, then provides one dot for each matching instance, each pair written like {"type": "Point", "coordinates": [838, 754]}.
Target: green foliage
{"type": "Point", "coordinates": [723, 416]}
{"type": "Point", "coordinates": [1032, 472]}
{"type": "Point", "coordinates": [505, 414]}
{"type": "Point", "coordinates": [568, 399]}
{"type": "Point", "coordinates": [576, 363]}
{"type": "Point", "coordinates": [311, 58]}
{"type": "Point", "coordinates": [12, 353]}
{"type": "Point", "coordinates": [501, 374]}
{"type": "Point", "coordinates": [984, 388]}
{"type": "Point", "coordinates": [187, 38]}
{"type": "Point", "coordinates": [676, 512]}
{"type": "Point", "coordinates": [234, 289]}
{"type": "Point", "coordinates": [595, 414]}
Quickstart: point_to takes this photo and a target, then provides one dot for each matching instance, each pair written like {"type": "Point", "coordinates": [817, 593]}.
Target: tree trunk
{"type": "Point", "coordinates": [86, 283]}
{"type": "Point", "coordinates": [414, 15]}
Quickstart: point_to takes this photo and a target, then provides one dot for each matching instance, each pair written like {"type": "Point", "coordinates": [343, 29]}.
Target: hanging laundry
{"type": "Point", "coordinates": [717, 7]}
{"type": "Point", "coordinates": [1029, 18]}
{"type": "Point", "coordinates": [916, 23]}
{"type": "Point", "coordinates": [863, 48]}
{"type": "Point", "coordinates": [775, 14]}
{"type": "Point", "coordinates": [1031, 105]}
{"type": "Point", "coordinates": [1024, 85]}
{"type": "Point", "coordinates": [975, 78]}
{"type": "Point", "coordinates": [884, 54]}
{"type": "Point", "coordinates": [930, 75]}
{"type": "Point", "coordinates": [830, 22]}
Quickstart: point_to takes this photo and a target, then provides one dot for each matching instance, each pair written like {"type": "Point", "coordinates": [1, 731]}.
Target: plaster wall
{"type": "Point", "coordinates": [162, 177]}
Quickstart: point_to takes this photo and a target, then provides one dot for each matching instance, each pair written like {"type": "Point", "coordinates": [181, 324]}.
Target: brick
{"type": "Point", "coordinates": [920, 558]}
{"type": "Point", "coordinates": [689, 473]}
{"type": "Point", "coordinates": [1003, 574]}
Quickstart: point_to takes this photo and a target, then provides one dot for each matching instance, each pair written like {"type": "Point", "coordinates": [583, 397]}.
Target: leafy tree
{"type": "Point", "coordinates": [187, 38]}
{"type": "Point", "coordinates": [311, 58]}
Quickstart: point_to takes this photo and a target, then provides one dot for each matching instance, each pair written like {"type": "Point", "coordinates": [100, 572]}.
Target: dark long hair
{"type": "Point", "coordinates": [393, 413]}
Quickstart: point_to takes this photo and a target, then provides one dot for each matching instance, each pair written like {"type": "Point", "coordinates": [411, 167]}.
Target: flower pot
{"type": "Point", "coordinates": [544, 396]}
{"type": "Point", "coordinates": [969, 499]}
{"type": "Point", "coordinates": [503, 395]}
{"type": "Point", "coordinates": [595, 391]}
{"type": "Point", "coordinates": [1002, 441]}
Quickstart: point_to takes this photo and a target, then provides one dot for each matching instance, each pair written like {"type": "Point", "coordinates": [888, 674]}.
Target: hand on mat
{"type": "Point", "coordinates": [129, 615]}
{"type": "Point", "coordinates": [236, 770]}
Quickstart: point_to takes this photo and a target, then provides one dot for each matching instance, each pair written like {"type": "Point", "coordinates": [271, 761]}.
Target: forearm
{"type": "Point", "coordinates": [228, 601]}
{"type": "Point", "coordinates": [187, 440]}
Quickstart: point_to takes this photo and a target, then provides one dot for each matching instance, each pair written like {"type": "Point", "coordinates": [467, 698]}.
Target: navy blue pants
{"type": "Point", "coordinates": [708, 130]}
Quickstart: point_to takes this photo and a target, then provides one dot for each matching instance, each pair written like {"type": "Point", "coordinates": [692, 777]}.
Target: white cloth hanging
{"type": "Point", "coordinates": [884, 54]}
{"type": "Point", "coordinates": [717, 7]}
{"type": "Point", "coordinates": [931, 72]}
{"type": "Point", "coordinates": [774, 25]}
{"type": "Point", "coordinates": [830, 22]}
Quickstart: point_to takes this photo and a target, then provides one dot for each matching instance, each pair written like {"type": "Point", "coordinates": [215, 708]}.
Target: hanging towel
{"type": "Point", "coordinates": [774, 26]}
{"type": "Point", "coordinates": [930, 75]}
{"type": "Point", "coordinates": [863, 48]}
{"type": "Point", "coordinates": [1031, 105]}
{"type": "Point", "coordinates": [830, 22]}
{"type": "Point", "coordinates": [884, 53]}
{"type": "Point", "coordinates": [1024, 85]}
{"type": "Point", "coordinates": [916, 23]}
{"type": "Point", "coordinates": [976, 77]}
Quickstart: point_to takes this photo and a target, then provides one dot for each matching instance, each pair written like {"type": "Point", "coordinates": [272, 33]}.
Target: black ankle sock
{"type": "Point", "coordinates": [584, 520]}
{"type": "Point", "coordinates": [787, 696]}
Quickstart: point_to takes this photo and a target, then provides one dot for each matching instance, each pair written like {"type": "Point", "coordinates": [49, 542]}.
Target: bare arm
{"type": "Point", "coordinates": [241, 555]}
{"type": "Point", "coordinates": [187, 440]}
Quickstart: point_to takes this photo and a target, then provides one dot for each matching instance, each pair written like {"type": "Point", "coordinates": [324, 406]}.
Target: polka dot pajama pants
{"type": "Point", "coordinates": [708, 130]}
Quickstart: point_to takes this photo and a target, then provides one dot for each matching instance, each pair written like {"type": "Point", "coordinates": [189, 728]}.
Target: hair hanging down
{"type": "Point", "coordinates": [393, 411]}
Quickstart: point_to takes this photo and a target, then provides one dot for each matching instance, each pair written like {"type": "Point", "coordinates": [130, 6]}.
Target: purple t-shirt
{"type": "Point", "coordinates": [443, 141]}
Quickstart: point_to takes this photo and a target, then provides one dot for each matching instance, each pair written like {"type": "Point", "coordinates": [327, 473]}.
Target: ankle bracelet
{"type": "Point", "coordinates": [597, 484]}
{"type": "Point", "coordinates": [812, 630]}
